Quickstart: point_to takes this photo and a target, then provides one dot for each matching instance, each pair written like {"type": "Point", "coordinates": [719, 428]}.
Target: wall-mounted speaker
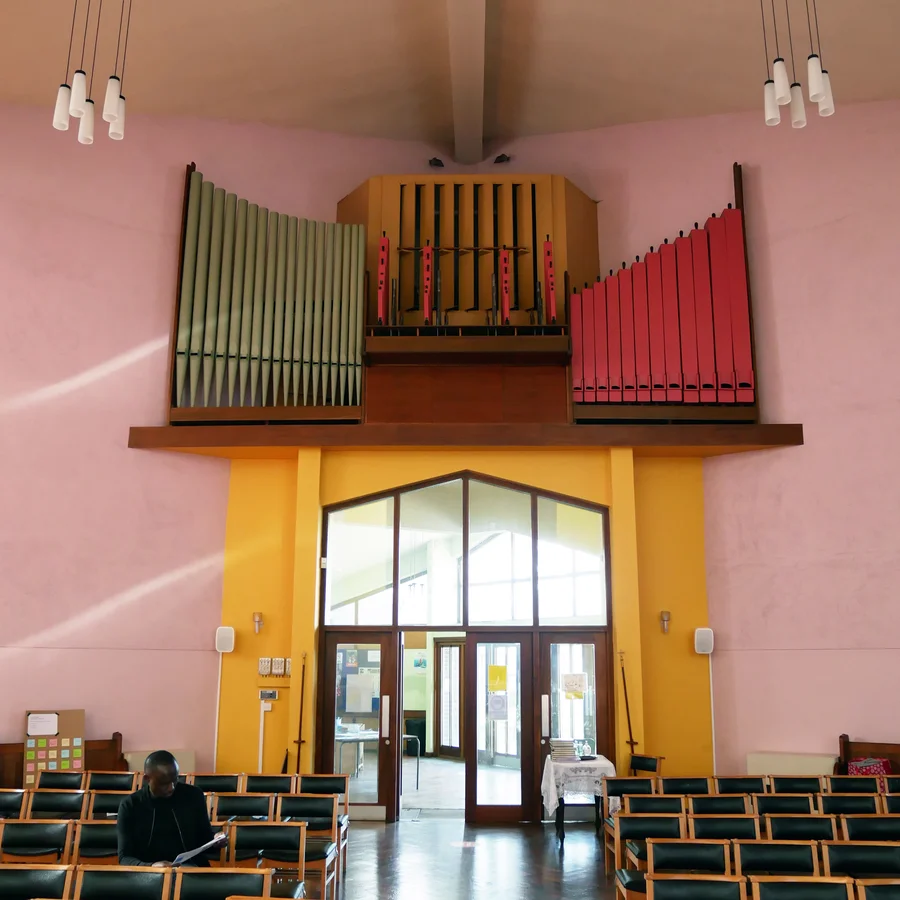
{"type": "Point", "coordinates": [703, 641]}
{"type": "Point", "coordinates": [224, 639]}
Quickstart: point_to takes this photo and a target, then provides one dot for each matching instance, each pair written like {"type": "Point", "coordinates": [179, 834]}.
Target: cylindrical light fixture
{"type": "Point", "coordinates": [86, 124]}
{"type": "Point", "coordinates": [826, 104]}
{"type": "Point", "coordinates": [117, 128]}
{"type": "Point", "coordinates": [773, 113]}
{"type": "Point", "coordinates": [111, 103]}
{"type": "Point", "coordinates": [814, 81]}
{"type": "Point", "coordinates": [61, 112]}
{"type": "Point", "coordinates": [79, 94]}
{"type": "Point", "coordinates": [782, 82]}
{"type": "Point", "coordinates": [798, 110]}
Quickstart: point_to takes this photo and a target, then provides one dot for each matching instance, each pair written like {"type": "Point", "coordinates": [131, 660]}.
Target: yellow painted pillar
{"type": "Point", "coordinates": [304, 631]}
{"type": "Point", "coordinates": [625, 602]}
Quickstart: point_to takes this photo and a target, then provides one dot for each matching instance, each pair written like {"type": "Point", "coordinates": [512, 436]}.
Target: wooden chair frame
{"type": "Point", "coordinates": [247, 776]}
{"type": "Point", "coordinates": [767, 824]}
{"type": "Point", "coordinates": [192, 776]}
{"type": "Point", "coordinates": [607, 829]}
{"type": "Point", "coordinates": [182, 871]}
{"type": "Point", "coordinates": [76, 849]}
{"type": "Point", "coordinates": [863, 883]}
{"type": "Point", "coordinates": [69, 869]}
{"type": "Point", "coordinates": [135, 781]}
{"type": "Point", "coordinates": [618, 843]}
{"type": "Point", "coordinates": [62, 860]}
{"type": "Point", "coordinates": [627, 799]}
{"type": "Point", "coordinates": [344, 829]}
{"type": "Point", "coordinates": [745, 797]}
{"type": "Point", "coordinates": [826, 845]}
{"type": "Point", "coordinates": [819, 778]}
{"type": "Point", "coordinates": [92, 796]}
{"type": "Point", "coordinates": [757, 880]}
{"type": "Point", "coordinates": [24, 799]}
{"type": "Point", "coordinates": [321, 865]}
{"type": "Point", "coordinates": [732, 879]}
{"type": "Point", "coordinates": [755, 798]}
{"type": "Point", "coordinates": [214, 806]}
{"type": "Point", "coordinates": [812, 845]}
{"type": "Point", "coordinates": [844, 831]}
{"type": "Point", "coordinates": [43, 772]}
{"type": "Point", "coordinates": [262, 862]}
{"type": "Point", "coordinates": [32, 795]}
{"type": "Point", "coordinates": [879, 804]}
{"type": "Point", "coordinates": [710, 785]}
{"type": "Point", "coordinates": [833, 784]}
{"type": "Point", "coordinates": [724, 778]}
{"type": "Point", "coordinates": [884, 802]}
{"type": "Point", "coordinates": [719, 842]}
{"type": "Point", "coordinates": [652, 773]}
{"type": "Point", "coordinates": [166, 877]}
{"type": "Point", "coordinates": [692, 820]}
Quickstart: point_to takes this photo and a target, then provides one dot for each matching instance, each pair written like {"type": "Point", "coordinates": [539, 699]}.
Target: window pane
{"type": "Point", "coordinates": [500, 584]}
{"type": "Point", "coordinates": [571, 565]}
{"type": "Point", "coordinates": [360, 562]}
{"type": "Point", "coordinates": [430, 551]}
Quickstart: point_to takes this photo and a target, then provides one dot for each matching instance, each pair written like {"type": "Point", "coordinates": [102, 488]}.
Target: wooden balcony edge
{"type": "Point", "coordinates": [523, 350]}
{"type": "Point", "coordinates": [262, 415]}
{"type": "Point", "coordinates": [663, 413]}
{"type": "Point", "coordinates": [277, 441]}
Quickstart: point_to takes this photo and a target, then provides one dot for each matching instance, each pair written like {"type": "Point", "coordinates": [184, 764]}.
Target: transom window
{"type": "Point", "coordinates": [466, 551]}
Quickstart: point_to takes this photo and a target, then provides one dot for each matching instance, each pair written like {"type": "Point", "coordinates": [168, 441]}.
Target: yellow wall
{"type": "Point", "coordinates": [669, 503]}
{"type": "Point", "coordinates": [273, 545]}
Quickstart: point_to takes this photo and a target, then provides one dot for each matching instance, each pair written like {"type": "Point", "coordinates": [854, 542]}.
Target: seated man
{"type": "Point", "coordinates": [162, 819]}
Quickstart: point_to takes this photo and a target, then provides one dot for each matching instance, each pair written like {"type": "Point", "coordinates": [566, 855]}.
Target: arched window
{"type": "Point", "coordinates": [466, 550]}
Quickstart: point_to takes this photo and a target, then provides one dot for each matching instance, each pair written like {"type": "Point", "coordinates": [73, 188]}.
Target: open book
{"type": "Point", "coordinates": [217, 841]}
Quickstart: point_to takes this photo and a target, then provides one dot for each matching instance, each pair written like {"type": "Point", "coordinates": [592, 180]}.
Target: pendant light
{"type": "Point", "coordinates": [114, 84]}
{"type": "Point", "coordinates": [826, 104]}
{"type": "Point", "coordinates": [814, 82]}
{"type": "Point", "coordinates": [79, 79]}
{"type": "Point", "coordinates": [117, 127]}
{"type": "Point", "coordinates": [770, 102]}
{"type": "Point", "coordinates": [64, 92]}
{"type": "Point", "coordinates": [779, 68]}
{"type": "Point", "coordinates": [798, 110]}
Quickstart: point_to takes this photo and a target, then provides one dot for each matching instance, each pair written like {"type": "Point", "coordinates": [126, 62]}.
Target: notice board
{"type": "Point", "coordinates": [54, 742]}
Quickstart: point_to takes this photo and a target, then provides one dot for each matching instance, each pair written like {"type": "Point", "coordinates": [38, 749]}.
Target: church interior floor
{"type": "Point", "coordinates": [442, 859]}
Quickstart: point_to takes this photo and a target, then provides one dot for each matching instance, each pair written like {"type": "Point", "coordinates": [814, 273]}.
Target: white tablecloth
{"type": "Point", "coordinates": [575, 777]}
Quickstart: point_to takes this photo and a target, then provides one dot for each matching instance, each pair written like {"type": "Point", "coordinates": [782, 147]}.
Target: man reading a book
{"type": "Point", "coordinates": [163, 819]}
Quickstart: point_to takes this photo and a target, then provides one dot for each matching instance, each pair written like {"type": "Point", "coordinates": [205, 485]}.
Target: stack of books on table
{"type": "Point", "coordinates": [562, 751]}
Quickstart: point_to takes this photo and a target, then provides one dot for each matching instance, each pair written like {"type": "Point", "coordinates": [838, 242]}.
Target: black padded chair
{"type": "Point", "coordinates": [853, 784]}
{"type": "Point", "coordinates": [782, 887]}
{"type": "Point", "coordinates": [220, 884]}
{"type": "Point", "coordinates": [280, 846]}
{"type": "Point", "coordinates": [776, 858]}
{"type": "Point", "coordinates": [19, 882]}
{"type": "Point", "coordinates": [801, 828]}
{"type": "Point", "coordinates": [891, 804]}
{"type": "Point", "coordinates": [732, 828]}
{"type": "Point", "coordinates": [871, 828]}
{"type": "Point", "coordinates": [631, 833]}
{"type": "Point", "coordinates": [96, 843]}
{"type": "Point", "coordinates": [60, 781]}
{"type": "Point", "coordinates": [878, 888]}
{"type": "Point", "coordinates": [243, 807]}
{"type": "Point", "coordinates": [645, 765]}
{"type": "Point", "coordinates": [320, 812]}
{"type": "Point", "coordinates": [892, 784]}
{"type": "Point", "coordinates": [784, 805]}
{"type": "Point", "coordinates": [618, 788]}
{"type": "Point", "coordinates": [44, 841]}
{"type": "Point", "coordinates": [685, 786]}
{"type": "Point", "coordinates": [268, 784]}
{"type": "Point", "coordinates": [741, 784]}
{"type": "Point", "coordinates": [653, 804]}
{"type": "Point", "coordinates": [696, 887]}
{"type": "Point", "coordinates": [217, 784]}
{"type": "Point", "coordinates": [715, 805]}
{"type": "Point", "coordinates": [105, 804]}
{"type": "Point", "coordinates": [12, 803]}
{"type": "Point", "coordinates": [861, 860]}
{"type": "Point", "coordinates": [133, 882]}
{"type": "Point", "coordinates": [45, 804]}
{"type": "Point", "coordinates": [675, 857]}
{"type": "Point", "coordinates": [849, 804]}
{"type": "Point", "coordinates": [339, 785]}
{"type": "Point", "coordinates": [797, 784]}
{"type": "Point", "coordinates": [112, 781]}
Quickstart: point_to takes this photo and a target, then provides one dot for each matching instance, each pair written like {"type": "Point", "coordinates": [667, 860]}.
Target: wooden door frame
{"type": "Point", "coordinates": [438, 644]}
{"type": "Point", "coordinates": [388, 769]}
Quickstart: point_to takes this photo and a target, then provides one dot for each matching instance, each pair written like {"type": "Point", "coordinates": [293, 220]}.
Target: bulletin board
{"type": "Point", "coordinates": [54, 742]}
{"type": "Point", "coordinates": [357, 670]}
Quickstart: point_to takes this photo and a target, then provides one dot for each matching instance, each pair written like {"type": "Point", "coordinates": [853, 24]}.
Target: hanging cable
{"type": "Point", "coordinates": [71, 41]}
{"type": "Point", "coordinates": [818, 39]}
{"type": "Point", "coordinates": [762, 11]}
{"type": "Point", "coordinates": [119, 37]}
{"type": "Point", "coordinates": [125, 51]}
{"type": "Point", "coordinates": [809, 26]}
{"type": "Point", "coordinates": [96, 41]}
{"type": "Point", "coordinates": [87, 19]}
{"type": "Point", "coordinates": [775, 26]}
{"type": "Point", "coordinates": [787, 7]}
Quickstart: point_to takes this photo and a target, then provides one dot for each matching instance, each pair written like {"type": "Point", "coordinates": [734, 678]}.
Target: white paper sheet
{"type": "Point", "coordinates": [42, 723]}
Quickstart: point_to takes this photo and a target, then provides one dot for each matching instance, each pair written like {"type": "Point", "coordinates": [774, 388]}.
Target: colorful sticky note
{"type": "Point", "coordinates": [52, 742]}
{"type": "Point", "coordinates": [496, 678]}
{"type": "Point", "coordinates": [52, 754]}
{"type": "Point", "coordinates": [76, 754]}
{"type": "Point", "coordinates": [29, 742]}
{"type": "Point", "coordinates": [76, 742]}
{"type": "Point", "coordinates": [42, 766]}
{"type": "Point", "coordinates": [29, 779]}
{"type": "Point", "coordinates": [29, 754]}
{"type": "Point", "coordinates": [65, 742]}
{"type": "Point", "coordinates": [42, 754]}
{"type": "Point", "coordinates": [64, 754]}
{"type": "Point", "coordinates": [76, 764]}
{"type": "Point", "coordinates": [53, 765]}
{"type": "Point", "coordinates": [42, 742]}
{"type": "Point", "coordinates": [64, 764]}
{"type": "Point", "coordinates": [29, 767]}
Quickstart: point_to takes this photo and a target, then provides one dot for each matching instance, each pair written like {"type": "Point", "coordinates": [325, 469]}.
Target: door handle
{"type": "Point", "coordinates": [386, 716]}
{"type": "Point", "coordinates": [545, 715]}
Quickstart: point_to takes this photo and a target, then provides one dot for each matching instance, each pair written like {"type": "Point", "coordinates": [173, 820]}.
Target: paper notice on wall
{"type": "Point", "coordinates": [575, 686]}
{"type": "Point", "coordinates": [498, 708]}
{"type": "Point", "coordinates": [42, 723]}
{"type": "Point", "coordinates": [374, 656]}
{"type": "Point", "coordinates": [361, 689]}
{"type": "Point", "coordinates": [496, 678]}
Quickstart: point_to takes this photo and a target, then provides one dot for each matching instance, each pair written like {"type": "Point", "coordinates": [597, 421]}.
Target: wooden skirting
{"type": "Point", "coordinates": [263, 414]}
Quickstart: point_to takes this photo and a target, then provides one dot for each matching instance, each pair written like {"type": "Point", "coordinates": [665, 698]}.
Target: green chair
{"type": "Point", "coordinates": [619, 787]}
{"type": "Point", "coordinates": [687, 786]}
{"type": "Point", "coordinates": [653, 803]}
{"type": "Point", "coordinates": [631, 833]}
{"type": "Point", "coordinates": [675, 857]}
{"type": "Point", "coordinates": [853, 784]}
{"type": "Point", "coordinates": [782, 887]}
{"type": "Point", "coordinates": [878, 888]}
{"type": "Point", "coordinates": [871, 828]}
{"type": "Point", "coordinates": [646, 765]}
{"type": "Point", "coordinates": [696, 887]}
{"type": "Point", "coordinates": [776, 858]}
{"type": "Point", "coordinates": [861, 860]}
{"type": "Point", "coordinates": [892, 803]}
{"type": "Point", "coordinates": [892, 784]}
{"type": "Point", "coordinates": [797, 784]}
{"type": "Point", "coordinates": [716, 805]}
{"type": "Point", "coordinates": [742, 784]}
{"type": "Point", "coordinates": [732, 828]}
{"type": "Point", "coordinates": [849, 804]}
{"type": "Point", "coordinates": [801, 828]}
{"type": "Point", "coordinates": [784, 804]}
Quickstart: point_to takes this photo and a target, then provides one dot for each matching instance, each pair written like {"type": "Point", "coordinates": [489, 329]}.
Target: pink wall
{"type": "Point", "coordinates": [111, 559]}
{"type": "Point", "coordinates": [801, 544]}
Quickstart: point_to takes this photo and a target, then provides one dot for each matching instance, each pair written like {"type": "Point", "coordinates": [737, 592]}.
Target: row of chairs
{"type": "Point", "coordinates": [766, 887]}
{"type": "Point", "coordinates": [140, 883]}
{"type": "Point", "coordinates": [631, 831]}
{"type": "Point", "coordinates": [757, 784]}
{"type": "Point", "coordinates": [210, 782]}
{"type": "Point", "coordinates": [770, 862]}
{"type": "Point", "coordinates": [763, 804]}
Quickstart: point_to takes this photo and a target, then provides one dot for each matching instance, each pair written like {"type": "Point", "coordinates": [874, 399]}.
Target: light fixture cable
{"type": "Point", "coordinates": [87, 20]}
{"type": "Point", "coordinates": [119, 37]}
{"type": "Point", "coordinates": [96, 41]}
{"type": "Point", "coordinates": [125, 51]}
{"type": "Point", "coordinates": [762, 12]}
{"type": "Point", "coordinates": [71, 41]}
{"type": "Point", "coordinates": [775, 26]}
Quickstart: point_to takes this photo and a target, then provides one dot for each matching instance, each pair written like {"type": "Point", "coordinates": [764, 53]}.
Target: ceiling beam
{"type": "Point", "coordinates": [466, 29]}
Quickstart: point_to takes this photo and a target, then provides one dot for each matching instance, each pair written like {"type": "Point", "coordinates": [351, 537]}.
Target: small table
{"type": "Point", "coordinates": [368, 737]}
{"type": "Point", "coordinates": [412, 737]}
{"type": "Point", "coordinates": [575, 777]}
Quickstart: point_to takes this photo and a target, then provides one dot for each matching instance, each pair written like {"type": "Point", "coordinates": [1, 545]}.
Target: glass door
{"type": "Point", "coordinates": [574, 701]}
{"type": "Point", "coordinates": [362, 719]}
{"type": "Point", "coordinates": [448, 695]}
{"type": "Point", "coordinates": [499, 726]}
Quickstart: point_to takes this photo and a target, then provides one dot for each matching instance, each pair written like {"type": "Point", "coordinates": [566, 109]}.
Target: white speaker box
{"type": "Point", "coordinates": [224, 639]}
{"type": "Point", "coordinates": [703, 641]}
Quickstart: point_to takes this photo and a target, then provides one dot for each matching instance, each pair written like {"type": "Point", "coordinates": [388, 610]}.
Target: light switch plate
{"type": "Point", "coordinates": [287, 666]}
{"type": "Point", "coordinates": [265, 665]}
{"type": "Point", "coordinates": [268, 695]}
{"type": "Point", "coordinates": [278, 665]}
